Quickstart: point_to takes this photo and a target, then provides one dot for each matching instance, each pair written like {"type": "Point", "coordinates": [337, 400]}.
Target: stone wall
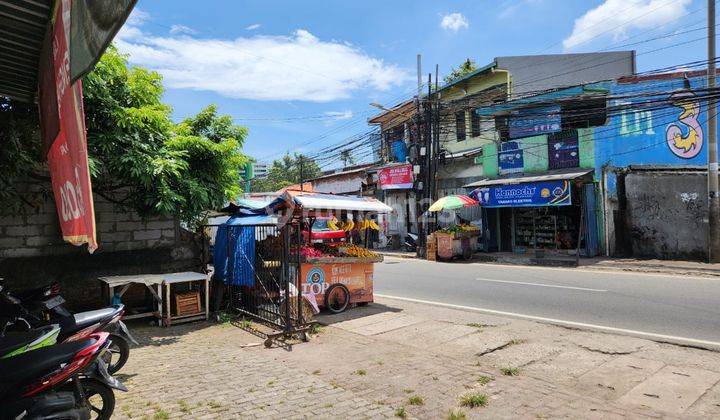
{"type": "Point", "coordinates": [33, 253]}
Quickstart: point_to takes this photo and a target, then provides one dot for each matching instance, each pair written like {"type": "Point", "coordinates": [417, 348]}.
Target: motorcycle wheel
{"type": "Point", "coordinates": [100, 399]}
{"type": "Point", "coordinates": [117, 354]}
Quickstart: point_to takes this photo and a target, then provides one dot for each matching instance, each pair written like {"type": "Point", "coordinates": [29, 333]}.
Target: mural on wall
{"type": "Point", "coordinates": [685, 137]}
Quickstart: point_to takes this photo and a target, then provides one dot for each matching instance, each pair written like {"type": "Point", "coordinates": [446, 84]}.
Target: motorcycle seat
{"type": "Point", "coordinates": [85, 319]}
{"type": "Point", "coordinates": [32, 294]}
{"type": "Point", "coordinates": [21, 370]}
{"type": "Point", "coordinates": [14, 340]}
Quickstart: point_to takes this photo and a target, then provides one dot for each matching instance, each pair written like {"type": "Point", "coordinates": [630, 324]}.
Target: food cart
{"type": "Point", "coordinates": [338, 274]}
{"type": "Point", "coordinates": [274, 274]}
{"type": "Point", "coordinates": [459, 240]}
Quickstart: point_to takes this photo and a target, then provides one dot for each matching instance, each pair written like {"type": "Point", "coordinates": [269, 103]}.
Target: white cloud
{"type": "Point", "coordinates": [454, 22]}
{"type": "Point", "coordinates": [340, 115]}
{"type": "Point", "coordinates": [182, 29]}
{"type": "Point", "coordinates": [296, 67]}
{"type": "Point", "coordinates": [253, 27]}
{"type": "Point", "coordinates": [616, 17]}
{"type": "Point", "coordinates": [510, 8]}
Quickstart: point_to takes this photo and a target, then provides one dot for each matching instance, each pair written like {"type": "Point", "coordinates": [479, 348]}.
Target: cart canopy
{"type": "Point", "coordinates": [328, 202]}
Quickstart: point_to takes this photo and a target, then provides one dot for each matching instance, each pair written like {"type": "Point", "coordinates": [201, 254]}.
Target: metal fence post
{"type": "Point", "coordinates": [298, 282]}
{"type": "Point", "coordinates": [286, 274]}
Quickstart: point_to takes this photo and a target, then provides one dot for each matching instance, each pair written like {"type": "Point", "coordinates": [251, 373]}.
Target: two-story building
{"type": "Point", "coordinates": [616, 167]}
{"type": "Point", "coordinates": [470, 141]}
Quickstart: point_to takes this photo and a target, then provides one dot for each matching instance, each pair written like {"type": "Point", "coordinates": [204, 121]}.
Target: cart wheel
{"type": "Point", "coordinates": [337, 298]}
{"type": "Point", "coordinates": [304, 337]}
{"type": "Point", "coordinates": [268, 342]}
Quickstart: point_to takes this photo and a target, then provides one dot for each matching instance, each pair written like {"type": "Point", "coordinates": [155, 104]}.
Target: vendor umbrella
{"type": "Point", "coordinates": [453, 202]}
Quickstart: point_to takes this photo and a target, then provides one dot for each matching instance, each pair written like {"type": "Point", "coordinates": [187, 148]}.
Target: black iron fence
{"type": "Point", "coordinates": [264, 280]}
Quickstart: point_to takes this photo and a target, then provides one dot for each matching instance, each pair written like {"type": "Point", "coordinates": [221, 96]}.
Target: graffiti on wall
{"type": "Point", "coordinates": [634, 122]}
{"type": "Point", "coordinates": [685, 136]}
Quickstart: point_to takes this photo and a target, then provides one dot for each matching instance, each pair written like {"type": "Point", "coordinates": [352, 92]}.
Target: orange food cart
{"type": "Point", "coordinates": [336, 281]}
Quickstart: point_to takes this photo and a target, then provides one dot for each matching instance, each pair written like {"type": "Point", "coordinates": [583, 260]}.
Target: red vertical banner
{"type": "Point", "coordinates": [67, 156]}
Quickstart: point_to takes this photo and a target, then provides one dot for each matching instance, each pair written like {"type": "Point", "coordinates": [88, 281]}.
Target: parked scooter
{"type": "Point", "coordinates": [411, 242]}
{"type": "Point", "coordinates": [73, 326]}
{"type": "Point", "coordinates": [64, 381]}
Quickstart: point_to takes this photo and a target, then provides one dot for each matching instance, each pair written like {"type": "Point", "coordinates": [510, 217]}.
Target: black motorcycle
{"type": "Point", "coordinates": [65, 381]}
{"type": "Point", "coordinates": [44, 306]}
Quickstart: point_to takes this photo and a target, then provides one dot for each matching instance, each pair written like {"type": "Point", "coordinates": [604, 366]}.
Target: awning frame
{"type": "Point", "coordinates": [526, 179]}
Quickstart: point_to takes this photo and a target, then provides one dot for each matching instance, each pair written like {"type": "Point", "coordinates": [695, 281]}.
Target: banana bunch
{"type": "Point", "coordinates": [333, 224]}
{"type": "Point", "coordinates": [348, 225]}
{"type": "Point", "coordinates": [368, 224]}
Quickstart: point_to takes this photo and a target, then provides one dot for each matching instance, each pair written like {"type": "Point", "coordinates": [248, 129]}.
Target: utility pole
{"type": "Point", "coordinates": [422, 185]}
{"type": "Point", "coordinates": [302, 181]}
{"type": "Point", "coordinates": [713, 187]}
{"type": "Point", "coordinates": [419, 76]}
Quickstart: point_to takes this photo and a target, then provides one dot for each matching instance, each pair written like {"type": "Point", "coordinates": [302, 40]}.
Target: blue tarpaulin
{"type": "Point", "coordinates": [234, 253]}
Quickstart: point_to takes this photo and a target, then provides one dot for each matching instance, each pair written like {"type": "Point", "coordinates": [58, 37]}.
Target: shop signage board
{"type": "Point", "coordinates": [64, 132]}
{"type": "Point", "coordinates": [510, 157]}
{"type": "Point", "coordinates": [357, 277]}
{"type": "Point", "coordinates": [534, 121]}
{"type": "Point", "coordinates": [527, 194]}
{"type": "Point", "coordinates": [563, 150]}
{"type": "Point", "coordinates": [396, 177]}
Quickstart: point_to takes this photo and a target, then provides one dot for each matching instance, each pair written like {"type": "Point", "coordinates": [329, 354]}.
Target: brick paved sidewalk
{"type": "Point", "coordinates": [393, 358]}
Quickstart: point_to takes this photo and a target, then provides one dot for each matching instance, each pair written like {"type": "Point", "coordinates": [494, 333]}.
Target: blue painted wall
{"type": "Point", "coordinates": [672, 134]}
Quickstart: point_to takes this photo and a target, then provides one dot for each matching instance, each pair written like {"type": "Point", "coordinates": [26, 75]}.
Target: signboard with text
{"type": "Point", "coordinates": [396, 177]}
{"type": "Point", "coordinates": [534, 121]}
{"type": "Point", "coordinates": [527, 194]}
{"type": "Point", "coordinates": [64, 131]}
{"type": "Point", "coordinates": [563, 150]}
{"type": "Point", "coordinates": [510, 157]}
{"type": "Point", "coordinates": [357, 277]}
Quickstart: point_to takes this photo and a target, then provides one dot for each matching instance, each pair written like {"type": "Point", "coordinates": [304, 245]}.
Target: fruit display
{"type": "Point", "coordinates": [460, 228]}
{"type": "Point", "coordinates": [308, 252]}
{"type": "Point", "coordinates": [343, 250]}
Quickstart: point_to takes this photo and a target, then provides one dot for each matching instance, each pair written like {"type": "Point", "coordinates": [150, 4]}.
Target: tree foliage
{"type": "Point", "coordinates": [468, 66]}
{"type": "Point", "coordinates": [141, 159]}
{"type": "Point", "coordinates": [286, 171]}
{"type": "Point", "coordinates": [20, 154]}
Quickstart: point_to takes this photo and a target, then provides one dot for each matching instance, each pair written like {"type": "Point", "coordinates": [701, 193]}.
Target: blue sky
{"type": "Point", "coordinates": [301, 74]}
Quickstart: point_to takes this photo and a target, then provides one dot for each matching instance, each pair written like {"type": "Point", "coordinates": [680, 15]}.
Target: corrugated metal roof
{"type": "Point", "coordinates": [22, 28]}
{"type": "Point", "coordinates": [523, 179]}
{"type": "Point", "coordinates": [467, 76]}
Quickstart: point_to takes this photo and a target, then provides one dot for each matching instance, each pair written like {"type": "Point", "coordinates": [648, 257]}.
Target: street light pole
{"type": "Point", "coordinates": [713, 187]}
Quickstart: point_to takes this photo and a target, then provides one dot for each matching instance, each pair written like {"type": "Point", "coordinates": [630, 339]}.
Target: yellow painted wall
{"type": "Point", "coordinates": [471, 86]}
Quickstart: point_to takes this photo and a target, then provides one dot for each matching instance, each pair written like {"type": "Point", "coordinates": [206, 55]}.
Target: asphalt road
{"type": "Point", "coordinates": [678, 306]}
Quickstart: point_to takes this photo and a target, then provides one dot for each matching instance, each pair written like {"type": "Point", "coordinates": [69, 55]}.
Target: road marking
{"type": "Point", "coordinates": [542, 285]}
{"type": "Point", "coordinates": [710, 345]}
{"type": "Point", "coordinates": [598, 271]}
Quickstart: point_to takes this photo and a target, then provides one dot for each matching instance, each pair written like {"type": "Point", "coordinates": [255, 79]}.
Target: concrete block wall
{"type": "Point", "coordinates": [36, 231]}
{"type": "Point", "coordinates": [32, 252]}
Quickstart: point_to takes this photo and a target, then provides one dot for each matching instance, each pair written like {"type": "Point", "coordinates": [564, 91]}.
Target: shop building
{"type": "Point", "coordinates": [397, 171]}
{"type": "Point", "coordinates": [468, 133]}
{"type": "Point", "coordinates": [634, 153]}
{"type": "Point", "coordinates": [540, 189]}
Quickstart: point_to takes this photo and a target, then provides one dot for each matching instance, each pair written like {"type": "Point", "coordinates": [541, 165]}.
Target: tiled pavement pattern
{"type": "Point", "coordinates": [370, 361]}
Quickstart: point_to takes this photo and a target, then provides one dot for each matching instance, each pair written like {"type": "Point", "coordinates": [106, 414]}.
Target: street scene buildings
{"type": "Point", "coordinates": [501, 210]}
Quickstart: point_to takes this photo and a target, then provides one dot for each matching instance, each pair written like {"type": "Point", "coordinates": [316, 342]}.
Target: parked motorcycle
{"type": "Point", "coordinates": [64, 381]}
{"type": "Point", "coordinates": [411, 241]}
{"type": "Point", "coordinates": [47, 307]}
